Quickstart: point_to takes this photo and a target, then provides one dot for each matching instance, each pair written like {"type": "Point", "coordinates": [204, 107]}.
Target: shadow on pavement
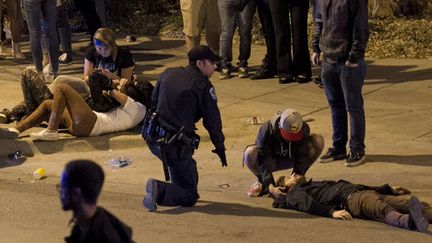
{"type": "Point", "coordinates": [235, 209]}
{"type": "Point", "coordinates": [419, 160]}
{"type": "Point", "coordinates": [86, 144]}
{"type": "Point", "coordinates": [378, 74]}
{"type": "Point", "coordinates": [155, 43]}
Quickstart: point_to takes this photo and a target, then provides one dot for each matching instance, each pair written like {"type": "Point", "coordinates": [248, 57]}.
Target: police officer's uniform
{"type": "Point", "coordinates": [183, 96]}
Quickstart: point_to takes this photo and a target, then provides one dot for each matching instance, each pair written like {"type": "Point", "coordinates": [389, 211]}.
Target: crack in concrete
{"type": "Point", "coordinates": [423, 135]}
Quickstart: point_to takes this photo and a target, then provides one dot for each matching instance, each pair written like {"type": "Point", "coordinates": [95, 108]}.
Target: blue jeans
{"type": "Point", "coordinates": [343, 88]}
{"type": "Point", "coordinates": [34, 9]}
{"type": "Point", "coordinates": [230, 19]}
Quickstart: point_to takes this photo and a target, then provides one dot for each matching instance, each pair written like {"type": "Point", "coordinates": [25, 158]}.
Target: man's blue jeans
{"type": "Point", "coordinates": [343, 88]}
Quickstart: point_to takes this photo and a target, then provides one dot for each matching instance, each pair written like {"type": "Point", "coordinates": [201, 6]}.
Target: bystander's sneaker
{"type": "Point", "coordinates": [355, 159]}
{"type": "Point", "coordinates": [10, 133]}
{"type": "Point", "coordinates": [152, 193]}
{"type": "Point", "coordinates": [16, 51]}
{"type": "Point", "coordinates": [4, 116]}
{"type": "Point", "coordinates": [301, 79]}
{"type": "Point", "coordinates": [65, 58]}
{"type": "Point", "coordinates": [286, 79]}
{"type": "Point", "coordinates": [416, 220]}
{"type": "Point", "coordinates": [332, 155]}
{"type": "Point", "coordinates": [243, 72]}
{"type": "Point", "coordinates": [225, 74]}
{"type": "Point", "coordinates": [255, 190]}
{"type": "Point", "coordinates": [45, 135]}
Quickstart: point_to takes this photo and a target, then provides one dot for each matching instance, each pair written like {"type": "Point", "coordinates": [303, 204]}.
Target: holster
{"type": "Point", "coordinates": [151, 123]}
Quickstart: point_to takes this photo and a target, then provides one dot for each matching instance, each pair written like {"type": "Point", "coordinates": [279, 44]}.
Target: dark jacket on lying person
{"type": "Point", "coordinates": [323, 197]}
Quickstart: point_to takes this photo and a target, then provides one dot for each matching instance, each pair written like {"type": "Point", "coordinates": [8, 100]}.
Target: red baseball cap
{"type": "Point", "coordinates": [290, 125]}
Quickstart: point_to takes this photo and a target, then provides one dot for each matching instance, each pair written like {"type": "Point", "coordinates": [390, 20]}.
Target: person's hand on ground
{"type": "Point", "coordinates": [400, 190]}
{"type": "Point", "coordinates": [277, 191]}
{"type": "Point", "coordinates": [341, 214]}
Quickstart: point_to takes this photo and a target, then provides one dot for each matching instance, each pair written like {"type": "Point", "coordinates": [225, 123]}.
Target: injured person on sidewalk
{"type": "Point", "coordinates": [70, 109]}
{"type": "Point", "coordinates": [344, 200]}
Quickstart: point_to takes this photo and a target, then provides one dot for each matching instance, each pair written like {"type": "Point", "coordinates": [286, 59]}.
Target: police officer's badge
{"type": "Point", "coordinates": [213, 93]}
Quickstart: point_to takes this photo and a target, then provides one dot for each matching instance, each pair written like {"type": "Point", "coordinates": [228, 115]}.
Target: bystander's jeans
{"type": "Point", "coordinates": [230, 19]}
{"type": "Point", "coordinates": [343, 88]}
{"type": "Point", "coordinates": [34, 9]}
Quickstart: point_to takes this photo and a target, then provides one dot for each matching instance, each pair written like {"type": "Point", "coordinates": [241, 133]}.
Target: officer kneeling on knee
{"type": "Point", "coordinates": [284, 142]}
{"type": "Point", "coordinates": [182, 96]}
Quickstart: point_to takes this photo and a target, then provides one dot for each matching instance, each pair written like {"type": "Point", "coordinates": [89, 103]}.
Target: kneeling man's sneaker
{"type": "Point", "coordinates": [355, 159]}
{"type": "Point", "coordinates": [332, 155]}
{"type": "Point", "coordinates": [152, 193]}
{"type": "Point", "coordinates": [10, 133]}
{"type": "Point", "coordinates": [44, 135]}
{"type": "Point", "coordinates": [416, 220]}
{"type": "Point", "coordinates": [255, 190]}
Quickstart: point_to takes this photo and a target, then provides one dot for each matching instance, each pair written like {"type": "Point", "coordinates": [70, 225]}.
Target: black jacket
{"type": "Point", "coordinates": [270, 144]}
{"type": "Point", "coordinates": [103, 228]}
{"type": "Point", "coordinates": [322, 197]}
{"type": "Point", "coordinates": [344, 29]}
{"type": "Point", "coordinates": [183, 96]}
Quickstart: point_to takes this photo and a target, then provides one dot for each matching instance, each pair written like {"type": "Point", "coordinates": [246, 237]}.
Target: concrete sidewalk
{"type": "Point", "coordinates": [398, 110]}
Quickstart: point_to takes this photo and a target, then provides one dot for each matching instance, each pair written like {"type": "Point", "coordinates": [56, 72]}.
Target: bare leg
{"type": "Point", "coordinates": [81, 116]}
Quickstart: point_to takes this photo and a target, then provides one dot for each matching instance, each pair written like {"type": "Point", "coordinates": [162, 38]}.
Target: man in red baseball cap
{"type": "Point", "coordinates": [283, 142]}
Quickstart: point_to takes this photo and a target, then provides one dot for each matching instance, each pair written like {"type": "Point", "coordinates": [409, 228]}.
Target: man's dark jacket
{"type": "Point", "coordinates": [270, 144]}
{"type": "Point", "coordinates": [344, 29]}
{"type": "Point", "coordinates": [103, 228]}
{"type": "Point", "coordinates": [323, 197]}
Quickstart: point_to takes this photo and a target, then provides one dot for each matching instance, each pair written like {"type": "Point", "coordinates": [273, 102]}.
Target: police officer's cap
{"type": "Point", "coordinates": [201, 53]}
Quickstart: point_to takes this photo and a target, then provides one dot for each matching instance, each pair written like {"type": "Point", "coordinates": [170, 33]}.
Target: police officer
{"type": "Point", "coordinates": [182, 96]}
{"type": "Point", "coordinates": [283, 142]}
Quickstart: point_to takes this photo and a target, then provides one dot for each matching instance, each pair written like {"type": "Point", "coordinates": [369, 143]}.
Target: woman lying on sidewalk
{"type": "Point", "coordinates": [70, 109]}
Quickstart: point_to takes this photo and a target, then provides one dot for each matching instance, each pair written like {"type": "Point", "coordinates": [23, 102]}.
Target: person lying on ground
{"type": "Point", "coordinates": [80, 185]}
{"type": "Point", "coordinates": [345, 200]}
{"type": "Point", "coordinates": [104, 61]}
{"type": "Point", "coordinates": [283, 142]}
{"type": "Point", "coordinates": [70, 109]}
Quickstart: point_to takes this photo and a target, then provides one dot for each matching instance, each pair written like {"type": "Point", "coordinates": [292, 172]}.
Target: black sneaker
{"type": "Point", "coordinates": [263, 73]}
{"type": "Point", "coordinates": [243, 72]}
{"type": "Point", "coordinates": [331, 156]}
{"type": "Point", "coordinates": [416, 220]}
{"type": "Point", "coordinates": [355, 159]}
{"type": "Point", "coordinates": [225, 74]}
{"type": "Point", "coordinates": [302, 79]}
{"type": "Point", "coordinates": [4, 116]}
{"type": "Point", "coordinates": [286, 79]}
{"type": "Point", "coordinates": [150, 198]}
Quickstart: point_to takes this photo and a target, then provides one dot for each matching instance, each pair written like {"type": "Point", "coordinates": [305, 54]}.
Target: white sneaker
{"type": "Point", "coordinates": [10, 133]}
{"type": "Point", "coordinates": [44, 135]}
